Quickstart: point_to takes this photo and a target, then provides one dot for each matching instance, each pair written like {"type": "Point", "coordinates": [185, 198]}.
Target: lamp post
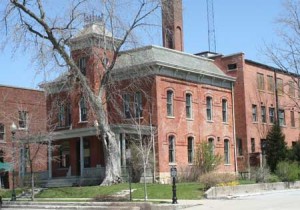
{"type": "Point", "coordinates": [173, 176]}
{"type": "Point", "coordinates": [13, 129]}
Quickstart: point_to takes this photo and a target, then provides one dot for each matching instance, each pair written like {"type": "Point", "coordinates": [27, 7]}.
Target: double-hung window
{"type": "Point", "coordinates": [171, 149]}
{"type": "Point", "coordinates": [170, 98]}
{"type": "Point", "coordinates": [263, 114]}
{"type": "Point", "coordinates": [82, 65]}
{"type": "Point", "coordinates": [2, 132]}
{"type": "Point", "coordinates": [209, 108]}
{"type": "Point", "coordinates": [226, 152]}
{"type": "Point", "coordinates": [188, 105]}
{"type": "Point", "coordinates": [138, 105]}
{"type": "Point", "coordinates": [126, 105]}
{"type": "Point", "coordinates": [224, 110]}
{"type": "Point", "coordinates": [82, 110]}
{"type": "Point", "coordinates": [23, 118]}
{"type": "Point", "coordinates": [254, 113]}
{"type": "Point", "coordinates": [190, 149]}
{"type": "Point", "coordinates": [272, 115]}
{"type": "Point", "coordinates": [281, 117]}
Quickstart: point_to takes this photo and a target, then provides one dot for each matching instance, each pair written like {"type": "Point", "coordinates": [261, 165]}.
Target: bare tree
{"type": "Point", "coordinates": [48, 29]}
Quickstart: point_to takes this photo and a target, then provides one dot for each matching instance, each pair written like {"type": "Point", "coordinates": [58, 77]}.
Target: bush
{"type": "Point", "coordinates": [287, 172]}
{"type": "Point", "coordinates": [260, 175]}
{"type": "Point", "coordinates": [214, 179]}
{"type": "Point", "coordinates": [273, 178]}
{"type": "Point", "coordinates": [188, 174]}
{"type": "Point", "coordinates": [206, 160]}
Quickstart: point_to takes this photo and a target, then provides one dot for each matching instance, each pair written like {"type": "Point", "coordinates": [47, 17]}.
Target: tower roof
{"type": "Point", "coordinates": [93, 28]}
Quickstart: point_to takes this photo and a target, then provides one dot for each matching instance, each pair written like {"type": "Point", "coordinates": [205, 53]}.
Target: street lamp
{"type": "Point", "coordinates": [13, 129]}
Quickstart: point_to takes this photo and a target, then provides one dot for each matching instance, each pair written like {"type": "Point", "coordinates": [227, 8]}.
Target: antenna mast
{"type": "Point", "coordinates": [211, 26]}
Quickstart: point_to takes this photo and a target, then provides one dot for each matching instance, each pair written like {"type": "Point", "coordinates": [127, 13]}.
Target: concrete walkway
{"type": "Point", "coordinates": [165, 205]}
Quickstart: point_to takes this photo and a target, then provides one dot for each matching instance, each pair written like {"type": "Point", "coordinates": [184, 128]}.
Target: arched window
{"type": "Point", "coordinates": [170, 96]}
{"type": "Point", "coordinates": [209, 108]}
{"type": "Point", "coordinates": [171, 149]}
{"type": "Point", "coordinates": [188, 105]}
{"type": "Point", "coordinates": [226, 152]}
{"type": "Point", "coordinates": [126, 105]}
{"type": "Point", "coordinates": [211, 144]}
{"type": "Point", "coordinates": [82, 110]}
{"type": "Point", "coordinates": [138, 105]}
{"type": "Point", "coordinates": [82, 65]}
{"type": "Point", "coordinates": [190, 149]}
{"type": "Point", "coordinates": [224, 110]}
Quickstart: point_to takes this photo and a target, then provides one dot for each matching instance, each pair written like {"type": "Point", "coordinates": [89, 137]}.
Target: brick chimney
{"type": "Point", "coordinates": [172, 24]}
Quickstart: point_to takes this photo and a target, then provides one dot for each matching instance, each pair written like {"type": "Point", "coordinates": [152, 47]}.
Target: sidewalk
{"type": "Point", "coordinates": [156, 204]}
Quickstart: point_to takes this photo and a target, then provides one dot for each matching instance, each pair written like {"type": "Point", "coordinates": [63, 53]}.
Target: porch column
{"type": "Point", "coordinates": [49, 160]}
{"type": "Point", "coordinates": [123, 147]}
{"type": "Point", "coordinates": [81, 156]}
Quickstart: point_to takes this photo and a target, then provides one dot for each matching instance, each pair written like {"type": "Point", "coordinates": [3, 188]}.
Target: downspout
{"type": "Point", "coordinates": [276, 99]}
{"type": "Point", "coordinates": [234, 131]}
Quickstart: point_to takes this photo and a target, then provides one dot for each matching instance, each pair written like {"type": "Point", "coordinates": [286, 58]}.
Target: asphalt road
{"type": "Point", "coordinates": [277, 200]}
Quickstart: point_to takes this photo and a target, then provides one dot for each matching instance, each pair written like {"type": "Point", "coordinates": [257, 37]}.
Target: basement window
{"type": "Point", "coordinates": [232, 66]}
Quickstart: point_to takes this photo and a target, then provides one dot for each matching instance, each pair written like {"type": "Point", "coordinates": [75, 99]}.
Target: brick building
{"type": "Point", "coordinates": [256, 107]}
{"type": "Point", "coordinates": [174, 98]}
{"type": "Point", "coordinates": [27, 109]}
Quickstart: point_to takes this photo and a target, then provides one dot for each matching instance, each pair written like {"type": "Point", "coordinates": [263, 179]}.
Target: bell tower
{"type": "Point", "coordinates": [172, 24]}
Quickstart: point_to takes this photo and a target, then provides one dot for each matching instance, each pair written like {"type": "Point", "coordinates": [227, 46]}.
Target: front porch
{"type": "Point", "coordinates": [75, 157]}
{"type": "Point", "coordinates": [90, 176]}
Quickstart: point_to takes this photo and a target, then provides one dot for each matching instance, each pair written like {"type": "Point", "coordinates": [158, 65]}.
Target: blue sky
{"type": "Point", "coordinates": [240, 25]}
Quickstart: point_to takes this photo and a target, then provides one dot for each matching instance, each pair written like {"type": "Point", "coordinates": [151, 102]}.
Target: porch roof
{"type": "Point", "coordinates": [93, 131]}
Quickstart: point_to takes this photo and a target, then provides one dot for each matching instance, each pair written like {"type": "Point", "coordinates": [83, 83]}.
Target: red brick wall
{"type": "Point", "coordinates": [197, 127]}
{"type": "Point", "coordinates": [12, 101]}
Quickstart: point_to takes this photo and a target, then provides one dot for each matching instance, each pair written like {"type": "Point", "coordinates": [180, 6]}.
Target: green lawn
{"type": "Point", "coordinates": [155, 191]}
{"type": "Point", "coordinates": [191, 190]}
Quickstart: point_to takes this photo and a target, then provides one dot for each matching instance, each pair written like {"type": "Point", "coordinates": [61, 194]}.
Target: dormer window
{"type": "Point", "coordinates": [82, 65]}
{"type": "Point", "coordinates": [232, 66]}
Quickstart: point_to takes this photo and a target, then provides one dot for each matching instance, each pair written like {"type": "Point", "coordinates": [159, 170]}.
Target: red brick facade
{"type": "Point", "coordinates": [255, 100]}
{"type": "Point", "coordinates": [31, 103]}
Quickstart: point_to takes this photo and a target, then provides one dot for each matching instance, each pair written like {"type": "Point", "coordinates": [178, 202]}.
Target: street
{"type": "Point", "coordinates": [280, 200]}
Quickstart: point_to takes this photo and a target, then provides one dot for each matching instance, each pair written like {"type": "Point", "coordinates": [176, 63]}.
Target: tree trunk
{"type": "Point", "coordinates": [112, 163]}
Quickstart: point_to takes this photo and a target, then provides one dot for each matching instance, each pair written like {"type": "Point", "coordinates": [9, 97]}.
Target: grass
{"type": "Point", "coordinates": [6, 193]}
{"type": "Point", "coordinates": [189, 190]}
{"type": "Point", "coordinates": [163, 191]}
{"type": "Point", "coordinates": [246, 181]}
{"type": "Point", "coordinates": [155, 191]}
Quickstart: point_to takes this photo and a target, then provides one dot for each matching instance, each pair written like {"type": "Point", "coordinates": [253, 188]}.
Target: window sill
{"type": "Point", "coordinates": [255, 122]}
{"type": "Point", "coordinates": [133, 118]}
{"type": "Point", "coordinates": [171, 117]}
{"type": "Point", "coordinates": [225, 123]}
{"type": "Point", "coordinates": [227, 164]}
{"type": "Point", "coordinates": [190, 119]}
{"type": "Point", "coordinates": [82, 122]}
{"type": "Point", "coordinates": [172, 164]}
{"type": "Point", "coordinates": [2, 141]}
{"type": "Point", "coordinates": [210, 121]}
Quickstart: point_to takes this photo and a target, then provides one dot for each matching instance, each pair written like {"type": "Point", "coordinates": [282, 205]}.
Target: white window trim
{"type": "Point", "coordinates": [82, 121]}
